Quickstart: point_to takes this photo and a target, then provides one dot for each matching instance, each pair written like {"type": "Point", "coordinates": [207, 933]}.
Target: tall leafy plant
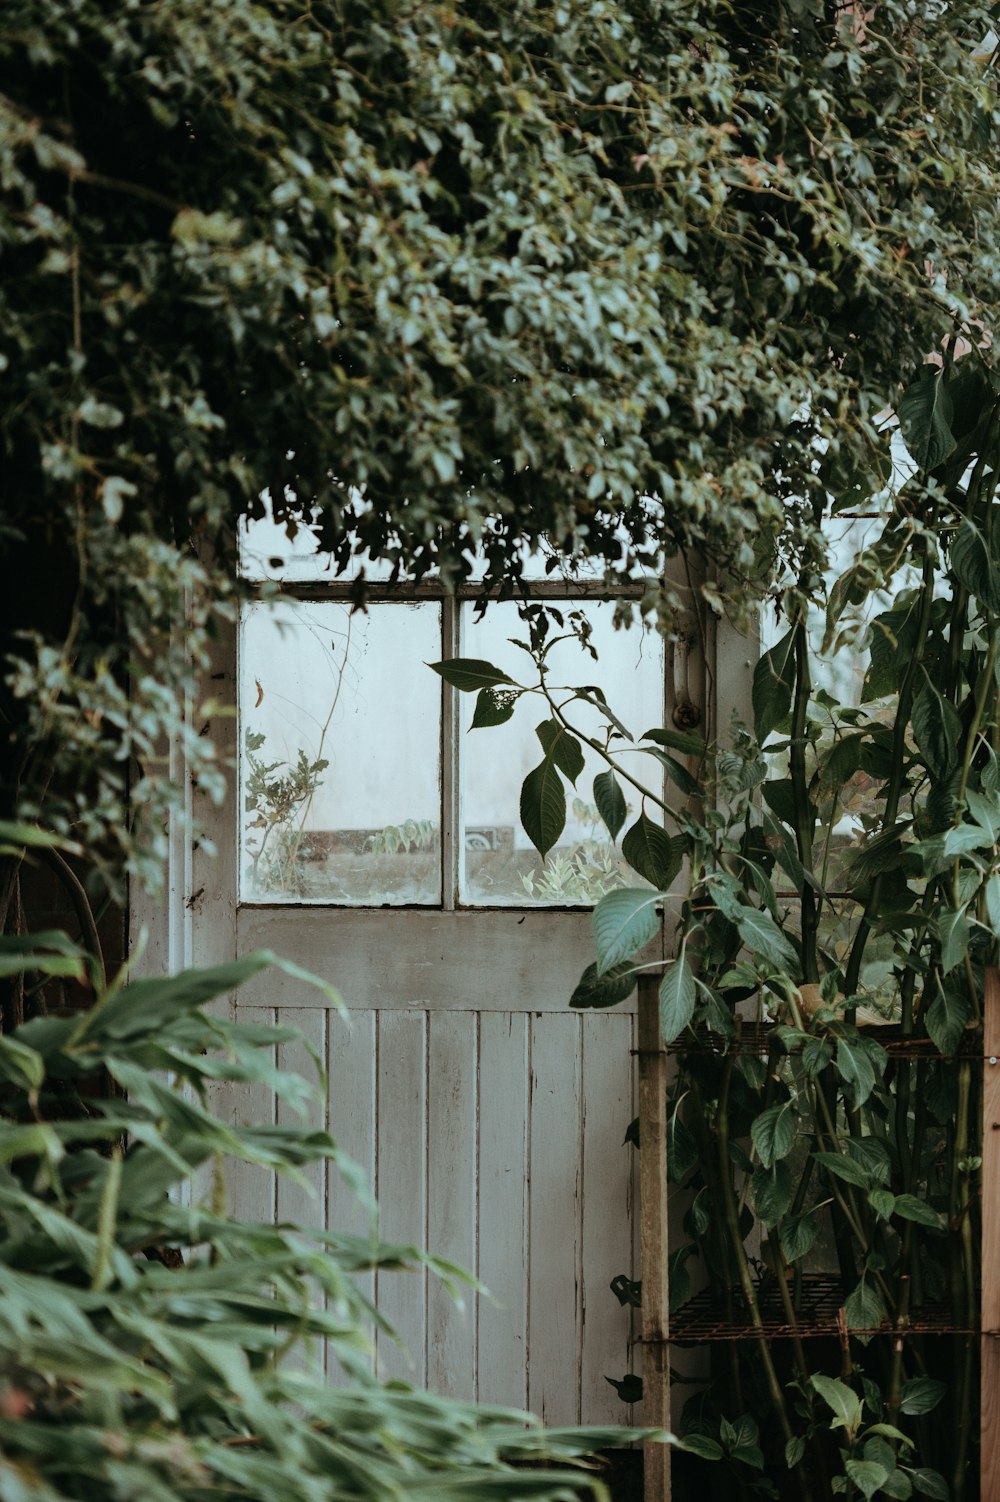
{"type": "Point", "coordinates": [145, 1332]}
{"type": "Point", "coordinates": [833, 870]}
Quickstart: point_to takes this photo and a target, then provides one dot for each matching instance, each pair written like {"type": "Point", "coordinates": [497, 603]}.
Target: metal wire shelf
{"type": "Point", "coordinates": [755, 1039]}
{"type": "Point", "coordinates": [819, 1312]}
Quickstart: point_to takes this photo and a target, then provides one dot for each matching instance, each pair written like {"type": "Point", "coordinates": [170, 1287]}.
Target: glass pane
{"type": "Point", "coordinates": [499, 864]}
{"type": "Point", "coordinates": [340, 731]}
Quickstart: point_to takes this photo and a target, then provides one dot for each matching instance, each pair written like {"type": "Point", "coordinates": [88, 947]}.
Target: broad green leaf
{"type": "Point", "coordinates": [898, 1486]}
{"type": "Point", "coordinates": [15, 834]}
{"type": "Point", "coordinates": [764, 938]}
{"type": "Point", "coordinates": [677, 998]}
{"type": "Point", "coordinates": [543, 806]}
{"type": "Point", "coordinates": [607, 990]}
{"type": "Point", "coordinates": [929, 1484]}
{"type": "Point", "coordinates": [470, 673]}
{"type": "Point", "coordinates": [772, 1193]}
{"type": "Point", "coordinates": [936, 730]}
{"type": "Point", "coordinates": [864, 1307]}
{"type": "Point", "coordinates": [561, 747]}
{"type": "Point", "coordinates": [682, 1150]}
{"type": "Point", "coordinates": [882, 1201]}
{"type": "Point", "coordinates": [953, 934]}
{"type": "Point", "coordinates": [623, 921]}
{"type": "Point", "coordinates": [794, 1451]}
{"type": "Point", "coordinates": [909, 1207]}
{"type": "Point", "coordinates": [843, 1168]}
{"type": "Point", "coordinates": [870, 1153]}
{"type": "Point", "coordinates": [773, 680]}
{"type": "Point", "coordinates": [925, 411]}
{"type": "Point", "coordinates": [684, 741]}
{"type": "Point", "coordinates": [867, 1475]}
{"type": "Point", "coordinates": [494, 706]}
{"type": "Point", "coordinates": [921, 1394]}
{"type": "Point", "coordinates": [702, 1446]}
{"type": "Point", "coordinates": [844, 1402]}
{"type": "Point", "coordinates": [610, 802]}
{"type": "Point", "coordinates": [773, 1133]}
{"type": "Point", "coordinates": [798, 1236]}
{"type": "Point", "coordinates": [947, 1017]}
{"type": "Point", "coordinates": [993, 902]}
{"type": "Point", "coordinates": [855, 1069]}
{"type": "Point", "coordinates": [675, 770]}
{"type": "Point", "coordinates": [972, 566]}
{"type": "Point", "coordinates": [652, 852]}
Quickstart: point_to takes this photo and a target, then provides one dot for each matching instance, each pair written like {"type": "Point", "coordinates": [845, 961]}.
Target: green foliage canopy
{"type": "Point", "coordinates": [636, 278]}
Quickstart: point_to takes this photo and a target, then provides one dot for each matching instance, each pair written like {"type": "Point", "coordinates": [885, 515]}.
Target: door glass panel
{"type": "Point", "coordinates": [498, 862]}
{"type": "Point", "coordinates": [340, 737]}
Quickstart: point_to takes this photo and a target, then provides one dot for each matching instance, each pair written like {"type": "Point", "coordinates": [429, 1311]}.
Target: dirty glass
{"type": "Point", "coordinates": [340, 735]}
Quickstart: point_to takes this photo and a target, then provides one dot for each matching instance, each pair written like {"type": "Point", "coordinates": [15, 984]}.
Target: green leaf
{"type": "Point", "coordinates": [772, 1193]}
{"type": "Point", "coordinates": [773, 680]}
{"type": "Point", "coordinates": [682, 1150]}
{"type": "Point", "coordinates": [864, 1307]}
{"type": "Point", "coordinates": [936, 730]}
{"type": "Point", "coordinates": [543, 806]}
{"type": "Point", "coordinates": [561, 747]}
{"type": "Point", "coordinates": [773, 1133]}
{"type": "Point", "coordinates": [675, 770]}
{"type": "Point", "coordinates": [764, 938]}
{"type": "Point", "coordinates": [953, 935]}
{"type": "Point", "coordinates": [972, 566]}
{"type": "Point", "coordinates": [702, 1446]}
{"type": "Point", "coordinates": [929, 1483]}
{"type": "Point", "coordinates": [494, 706]}
{"type": "Point", "coordinates": [854, 1065]}
{"type": "Point", "coordinates": [843, 1168]}
{"type": "Point", "coordinates": [993, 902]}
{"type": "Point", "coordinates": [898, 1485]}
{"type": "Point", "coordinates": [798, 1236]}
{"type": "Point", "coordinates": [909, 1207]}
{"type": "Point", "coordinates": [607, 990]}
{"type": "Point", "coordinates": [794, 1451]}
{"type": "Point", "coordinates": [867, 1475]}
{"type": "Point", "coordinates": [845, 1403]}
{"type": "Point", "coordinates": [470, 673]}
{"type": "Point", "coordinates": [684, 741]}
{"type": "Point", "coordinates": [925, 411]}
{"type": "Point", "coordinates": [947, 1017]}
{"type": "Point", "coordinates": [623, 921]}
{"type": "Point", "coordinates": [921, 1395]}
{"type": "Point", "coordinates": [677, 998]}
{"type": "Point", "coordinates": [610, 802]}
{"type": "Point", "coordinates": [882, 1201]}
{"type": "Point", "coordinates": [650, 850]}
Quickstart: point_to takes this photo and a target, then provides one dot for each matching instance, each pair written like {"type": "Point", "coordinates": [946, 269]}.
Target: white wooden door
{"type": "Point", "coordinates": [489, 1117]}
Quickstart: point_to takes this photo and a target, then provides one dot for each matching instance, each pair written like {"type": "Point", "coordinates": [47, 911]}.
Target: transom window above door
{"type": "Point", "coordinates": [362, 780]}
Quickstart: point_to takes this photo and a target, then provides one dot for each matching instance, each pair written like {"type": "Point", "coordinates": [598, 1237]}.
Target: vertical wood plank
{"type": "Point", "coordinates": [502, 1356]}
{"type": "Point", "coordinates": [554, 1328]}
{"type": "Point", "coordinates": [451, 1197]}
{"type": "Point", "coordinates": [401, 1166]}
{"type": "Point", "coordinates": [989, 1394]}
{"type": "Point", "coordinates": [353, 1093]}
{"type": "Point", "coordinates": [294, 1201]}
{"type": "Point", "coordinates": [653, 1238]}
{"type": "Point", "coordinates": [250, 1188]}
{"type": "Point", "coordinates": [606, 1229]}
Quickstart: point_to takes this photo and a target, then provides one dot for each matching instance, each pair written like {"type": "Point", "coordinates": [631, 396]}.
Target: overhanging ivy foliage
{"type": "Point", "coordinates": [510, 269]}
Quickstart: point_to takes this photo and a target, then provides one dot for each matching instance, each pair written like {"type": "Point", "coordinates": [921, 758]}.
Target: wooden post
{"type": "Point", "coordinates": [653, 1238]}
{"type": "Point", "coordinates": [989, 1321]}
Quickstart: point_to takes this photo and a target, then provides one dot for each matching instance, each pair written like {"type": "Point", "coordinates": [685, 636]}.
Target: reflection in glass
{"type": "Point", "coordinates": [499, 864]}
{"type": "Point", "coordinates": [340, 754]}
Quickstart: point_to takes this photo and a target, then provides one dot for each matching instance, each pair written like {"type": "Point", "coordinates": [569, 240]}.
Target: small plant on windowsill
{"type": "Point", "coordinates": [277, 795]}
{"type": "Point", "coordinates": [842, 867]}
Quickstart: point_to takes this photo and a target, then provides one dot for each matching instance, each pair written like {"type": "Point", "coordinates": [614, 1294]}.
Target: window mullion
{"type": "Point", "coordinates": [451, 844]}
